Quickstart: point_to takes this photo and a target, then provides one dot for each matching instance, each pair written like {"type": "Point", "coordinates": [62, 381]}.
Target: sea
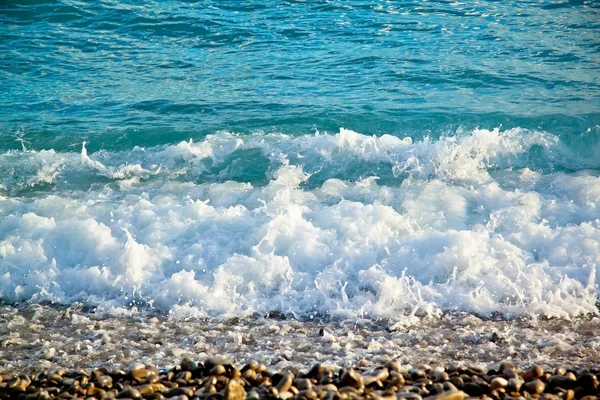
{"type": "Point", "coordinates": [300, 160]}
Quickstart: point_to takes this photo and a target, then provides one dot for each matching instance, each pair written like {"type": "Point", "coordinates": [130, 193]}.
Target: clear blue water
{"type": "Point", "coordinates": [426, 155]}
{"type": "Point", "coordinates": [125, 73]}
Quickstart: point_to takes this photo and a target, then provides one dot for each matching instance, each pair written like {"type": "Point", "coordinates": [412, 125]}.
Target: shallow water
{"type": "Point", "coordinates": [41, 338]}
{"type": "Point", "coordinates": [211, 160]}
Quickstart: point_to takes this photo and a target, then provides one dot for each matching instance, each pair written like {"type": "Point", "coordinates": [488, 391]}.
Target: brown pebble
{"type": "Point", "coordinates": [129, 393]}
{"type": "Point", "coordinates": [569, 395]}
{"type": "Point", "coordinates": [140, 374]}
{"type": "Point", "coordinates": [184, 375]}
{"type": "Point", "coordinates": [440, 376]}
{"type": "Point", "coordinates": [352, 378]}
{"type": "Point", "coordinates": [514, 385]}
{"type": "Point", "coordinates": [285, 383]}
{"type": "Point", "coordinates": [510, 373]}
{"type": "Point", "coordinates": [408, 396]}
{"type": "Point", "coordinates": [498, 383]}
{"type": "Point", "coordinates": [506, 365]}
{"type": "Point", "coordinates": [303, 384]}
{"type": "Point", "coordinates": [178, 391]}
{"type": "Point", "coordinates": [13, 383]}
{"type": "Point", "coordinates": [536, 386]}
{"type": "Point", "coordinates": [145, 389]}
{"type": "Point", "coordinates": [451, 395]}
{"type": "Point", "coordinates": [104, 381]}
{"type": "Point", "coordinates": [457, 381]}
{"type": "Point", "coordinates": [93, 391]}
{"type": "Point", "coordinates": [217, 370]}
{"type": "Point", "coordinates": [533, 373]}
{"type": "Point", "coordinates": [562, 381]}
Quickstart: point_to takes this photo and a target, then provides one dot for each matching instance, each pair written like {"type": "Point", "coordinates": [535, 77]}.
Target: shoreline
{"type": "Point", "coordinates": [40, 338]}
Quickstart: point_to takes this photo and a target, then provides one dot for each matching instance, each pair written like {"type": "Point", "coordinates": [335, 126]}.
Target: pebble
{"type": "Point", "coordinates": [217, 379]}
{"type": "Point", "coordinates": [536, 386]}
{"type": "Point", "coordinates": [352, 378]}
{"type": "Point", "coordinates": [129, 394]}
{"type": "Point", "coordinates": [285, 383]}
{"type": "Point", "coordinates": [535, 372]}
{"type": "Point", "coordinates": [498, 383]}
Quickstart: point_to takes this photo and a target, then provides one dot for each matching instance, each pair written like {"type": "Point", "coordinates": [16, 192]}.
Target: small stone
{"type": "Point", "coordinates": [569, 395]}
{"type": "Point", "coordinates": [129, 393]}
{"type": "Point", "coordinates": [451, 395]}
{"type": "Point", "coordinates": [506, 365]}
{"type": "Point", "coordinates": [457, 381]}
{"type": "Point", "coordinates": [249, 375]}
{"type": "Point", "coordinates": [349, 390]}
{"type": "Point", "coordinates": [13, 383]}
{"type": "Point", "coordinates": [253, 395]}
{"type": "Point", "coordinates": [498, 383]}
{"type": "Point", "coordinates": [533, 373]}
{"type": "Point", "coordinates": [352, 378]}
{"type": "Point", "coordinates": [286, 395]}
{"type": "Point", "coordinates": [514, 385]}
{"type": "Point", "coordinates": [218, 369]}
{"type": "Point", "coordinates": [252, 364]}
{"type": "Point", "coordinates": [93, 391]}
{"type": "Point", "coordinates": [510, 373]}
{"type": "Point", "coordinates": [587, 381]}
{"type": "Point", "coordinates": [184, 375]}
{"type": "Point", "coordinates": [187, 364]}
{"type": "Point", "coordinates": [178, 391]}
{"type": "Point", "coordinates": [536, 386]}
{"type": "Point", "coordinates": [408, 396]}
{"type": "Point", "coordinates": [475, 389]}
{"type": "Point", "coordinates": [303, 384]}
{"type": "Point", "coordinates": [314, 372]}
{"type": "Point", "coordinates": [140, 374]}
{"type": "Point", "coordinates": [440, 376]}
{"type": "Point", "coordinates": [234, 390]}
{"type": "Point", "coordinates": [308, 394]}
{"type": "Point", "coordinates": [104, 381]}
{"type": "Point", "coordinates": [562, 381]}
{"type": "Point", "coordinates": [396, 379]}
{"type": "Point", "coordinates": [393, 366]}
{"type": "Point", "coordinates": [285, 383]}
{"type": "Point", "coordinates": [416, 374]}
{"type": "Point", "coordinates": [449, 386]}
{"type": "Point", "coordinates": [212, 361]}
{"type": "Point", "coordinates": [145, 389]}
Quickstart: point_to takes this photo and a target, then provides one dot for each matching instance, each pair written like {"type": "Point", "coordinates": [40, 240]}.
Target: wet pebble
{"type": "Point", "coordinates": [218, 379]}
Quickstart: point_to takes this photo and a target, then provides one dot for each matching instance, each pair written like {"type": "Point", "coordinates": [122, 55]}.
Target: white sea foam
{"type": "Point", "coordinates": [344, 224]}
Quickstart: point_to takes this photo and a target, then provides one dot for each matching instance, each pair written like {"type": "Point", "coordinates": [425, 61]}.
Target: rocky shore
{"type": "Point", "coordinates": [49, 351]}
{"type": "Point", "coordinates": [217, 379]}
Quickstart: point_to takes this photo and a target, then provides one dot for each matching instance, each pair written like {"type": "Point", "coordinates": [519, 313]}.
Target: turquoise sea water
{"type": "Point", "coordinates": [125, 73]}
{"type": "Point", "coordinates": [345, 156]}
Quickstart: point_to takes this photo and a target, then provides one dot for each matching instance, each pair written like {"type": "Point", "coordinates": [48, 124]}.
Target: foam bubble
{"type": "Point", "coordinates": [344, 224]}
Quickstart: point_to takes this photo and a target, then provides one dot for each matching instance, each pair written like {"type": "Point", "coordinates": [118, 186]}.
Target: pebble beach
{"type": "Point", "coordinates": [294, 199]}
{"type": "Point", "coordinates": [71, 351]}
{"type": "Point", "coordinates": [452, 359]}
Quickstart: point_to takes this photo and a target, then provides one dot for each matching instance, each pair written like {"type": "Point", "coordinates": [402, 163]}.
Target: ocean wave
{"type": "Point", "coordinates": [485, 221]}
